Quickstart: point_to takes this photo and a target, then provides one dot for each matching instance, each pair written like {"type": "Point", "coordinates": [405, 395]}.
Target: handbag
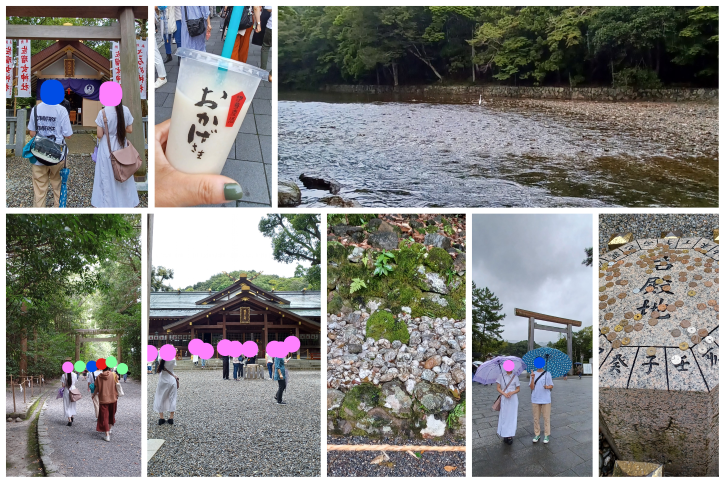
{"type": "Point", "coordinates": [74, 394]}
{"type": "Point", "coordinates": [170, 24]}
{"type": "Point", "coordinates": [119, 389]}
{"type": "Point", "coordinates": [126, 161]}
{"type": "Point", "coordinates": [60, 393]}
{"type": "Point", "coordinates": [247, 19]}
{"type": "Point", "coordinates": [45, 150]}
{"type": "Point", "coordinates": [176, 377]}
{"type": "Point", "coordinates": [497, 403]}
{"type": "Point", "coordinates": [194, 25]}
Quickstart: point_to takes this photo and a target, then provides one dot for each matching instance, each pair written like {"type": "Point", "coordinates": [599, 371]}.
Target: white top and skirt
{"type": "Point", "coordinates": [107, 192]}
{"type": "Point", "coordinates": [165, 399]}
{"type": "Point", "coordinates": [69, 407]}
{"type": "Point", "coordinates": [508, 416]}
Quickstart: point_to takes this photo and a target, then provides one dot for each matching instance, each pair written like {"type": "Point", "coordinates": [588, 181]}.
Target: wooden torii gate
{"type": "Point", "coordinates": [80, 339]}
{"type": "Point", "coordinates": [534, 316]}
{"type": "Point", "coordinates": [124, 32]}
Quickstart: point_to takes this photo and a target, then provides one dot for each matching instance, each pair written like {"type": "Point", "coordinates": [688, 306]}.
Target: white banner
{"type": "Point", "coordinates": [24, 71]}
{"type": "Point", "coordinates": [141, 57]}
{"type": "Point", "coordinates": [8, 68]}
{"type": "Point", "coordinates": [115, 63]}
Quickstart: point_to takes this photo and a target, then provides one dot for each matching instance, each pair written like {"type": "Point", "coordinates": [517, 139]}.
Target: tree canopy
{"type": "Point", "coordinates": [296, 238]}
{"type": "Point", "coordinates": [486, 329]}
{"type": "Point", "coordinates": [222, 280]}
{"type": "Point", "coordinates": [644, 47]}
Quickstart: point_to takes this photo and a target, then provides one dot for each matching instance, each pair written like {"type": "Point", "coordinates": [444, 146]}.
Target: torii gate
{"type": "Point", "coordinates": [82, 332]}
{"type": "Point", "coordinates": [124, 32]}
{"type": "Point", "coordinates": [534, 316]}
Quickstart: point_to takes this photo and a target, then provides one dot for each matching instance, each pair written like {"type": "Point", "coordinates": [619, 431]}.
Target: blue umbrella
{"type": "Point", "coordinates": [555, 362]}
{"type": "Point", "coordinates": [488, 372]}
{"type": "Point", "coordinates": [64, 173]}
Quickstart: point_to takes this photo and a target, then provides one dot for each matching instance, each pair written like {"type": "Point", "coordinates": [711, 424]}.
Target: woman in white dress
{"type": "Point", "coordinates": [508, 386]}
{"type": "Point", "coordinates": [107, 192]}
{"type": "Point", "coordinates": [165, 399]}
{"type": "Point", "coordinates": [68, 382]}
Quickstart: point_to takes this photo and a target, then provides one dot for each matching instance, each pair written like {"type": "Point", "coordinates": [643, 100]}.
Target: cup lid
{"type": "Point", "coordinates": [221, 62]}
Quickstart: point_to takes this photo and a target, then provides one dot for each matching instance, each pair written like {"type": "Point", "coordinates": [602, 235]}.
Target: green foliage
{"type": "Point", "coordinates": [158, 276]}
{"type": "Point", "coordinates": [382, 325]}
{"type": "Point", "coordinates": [382, 264]}
{"type": "Point", "coordinates": [588, 260]}
{"type": "Point", "coordinates": [438, 260]}
{"type": "Point", "coordinates": [361, 396]}
{"type": "Point", "coordinates": [296, 238]}
{"type": "Point", "coordinates": [219, 281]}
{"type": "Point", "coordinates": [581, 345]}
{"type": "Point", "coordinates": [454, 416]}
{"type": "Point", "coordinates": [357, 284]}
{"type": "Point", "coordinates": [517, 349]}
{"type": "Point", "coordinates": [486, 328]}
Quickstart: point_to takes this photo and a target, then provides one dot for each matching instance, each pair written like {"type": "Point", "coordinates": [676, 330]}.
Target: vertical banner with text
{"type": "Point", "coordinates": [24, 68]}
{"type": "Point", "coordinates": [141, 55]}
{"type": "Point", "coordinates": [115, 63]}
{"type": "Point", "coordinates": [8, 68]}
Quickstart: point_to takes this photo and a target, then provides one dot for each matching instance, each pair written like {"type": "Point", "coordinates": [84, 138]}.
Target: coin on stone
{"type": "Point", "coordinates": [683, 279]}
{"type": "Point", "coordinates": [691, 330]}
{"type": "Point", "coordinates": [628, 315]}
{"type": "Point", "coordinates": [621, 295]}
{"type": "Point", "coordinates": [616, 344]}
{"type": "Point", "coordinates": [655, 314]}
{"type": "Point", "coordinates": [604, 330]}
{"type": "Point", "coordinates": [685, 324]}
{"type": "Point", "coordinates": [662, 307]}
{"type": "Point", "coordinates": [648, 272]}
{"type": "Point", "coordinates": [666, 288]}
{"type": "Point", "coordinates": [637, 316]}
{"type": "Point", "coordinates": [618, 328]}
{"type": "Point", "coordinates": [608, 316]}
{"type": "Point", "coordinates": [708, 284]}
{"type": "Point", "coordinates": [708, 270]}
{"type": "Point", "coordinates": [638, 327]}
{"type": "Point", "coordinates": [611, 301]}
{"type": "Point", "coordinates": [652, 322]}
{"type": "Point", "coordinates": [679, 303]}
{"type": "Point", "coordinates": [602, 289]}
{"type": "Point", "coordinates": [602, 305]}
{"type": "Point", "coordinates": [677, 359]}
{"type": "Point", "coordinates": [610, 284]}
{"type": "Point", "coordinates": [626, 340]}
{"type": "Point", "coordinates": [671, 308]}
{"type": "Point", "coordinates": [691, 293]}
{"type": "Point", "coordinates": [702, 349]}
{"type": "Point", "coordinates": [649, 289]}
{"type": "Point", "coordinates": [709, 339]}
{"type": "Point", "coordinates": [651, 351]}
{"type": "Point", "coordinates": [693, 284]}
{"type": "Point", "coordinates": [608, 278]}
{"type": "Point", "coordinates": [701, 306]}
{"type": "Point", "coordinates": [611, 336]}
{"type": "Point", "coordinates": [603, 297]}
{"type": "Point", "coordinates": [628, 328]}
{"type": "Point", "coordinates": [702, 332]}
{"type": "Point", "coordinates": [684, 346]}
{"type": "Point", "coordinates": [636, 290]}
{"type": "Point", "coordinates": [696, 339]}
{"type": "Point", "coordinates": [676, 333]}
{"type": "Point", "coordinates": [711, 302]}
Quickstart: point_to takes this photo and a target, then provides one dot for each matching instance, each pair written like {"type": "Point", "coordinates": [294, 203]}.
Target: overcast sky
{"type": "Point", "coordinates": [201, 243]}
{"type": "Point", "coordinates": [533, 262]}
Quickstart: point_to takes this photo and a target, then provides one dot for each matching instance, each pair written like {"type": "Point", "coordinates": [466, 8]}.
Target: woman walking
{"type": "Point", "coordinates": [165, 399]}
{"type": "Point", "coordinates": [508, 387]}
{"type": "Point", "coordinates": [244, 37]}
{"type": "Point", "coordinates": [113, 123]}
{"type": "Point", "coordinates": [541, 384]}
{"type": "Point", "coordinates": [68, 382]}
{"type": "Point", "coordinates": [270, 362]}
{"type": "Point", "coordinates": [279, 377]}
{"type": "Point", "coordinates": [108, 399]}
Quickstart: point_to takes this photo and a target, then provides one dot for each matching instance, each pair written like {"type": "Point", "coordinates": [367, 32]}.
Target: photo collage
{"type": "Point", "coordinates": [435, 206]}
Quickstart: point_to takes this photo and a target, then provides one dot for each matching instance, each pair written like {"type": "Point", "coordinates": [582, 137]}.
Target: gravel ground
{"type": "Point", "coordinates": [19, 186]}
{"type": "Point", "coordinates": [652, 226]}
{"type": "Point", "coordinates": [228, 428]}
{"type": "Point", "coordinates": [81, 451]}
{"type": "Point", "coordinates": [357, 463]}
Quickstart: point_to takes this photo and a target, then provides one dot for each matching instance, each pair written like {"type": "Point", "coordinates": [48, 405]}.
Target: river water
{"type": "Point", "coordinates": [399, 151]}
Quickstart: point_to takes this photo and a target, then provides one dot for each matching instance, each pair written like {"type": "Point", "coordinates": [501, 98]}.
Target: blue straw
{"type": "Point", "coordinates": [233, 27]}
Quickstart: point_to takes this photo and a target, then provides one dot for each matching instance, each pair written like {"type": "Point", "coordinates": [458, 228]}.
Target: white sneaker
{"type": "Point", "coordinates": [107, 438]}
{"type": "Point", "coordinates": [160, 82]}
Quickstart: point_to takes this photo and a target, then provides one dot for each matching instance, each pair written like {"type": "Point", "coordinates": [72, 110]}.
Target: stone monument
{"type": "Point", "coordinates": [659, 353]}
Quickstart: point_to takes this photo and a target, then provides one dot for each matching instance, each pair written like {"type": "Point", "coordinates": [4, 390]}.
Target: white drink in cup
{"type": "Point", "coordinates": [212, 97]}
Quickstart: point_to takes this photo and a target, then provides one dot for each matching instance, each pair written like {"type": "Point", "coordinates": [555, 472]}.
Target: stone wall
{"type": "Point", "coordinates": [567, 93]}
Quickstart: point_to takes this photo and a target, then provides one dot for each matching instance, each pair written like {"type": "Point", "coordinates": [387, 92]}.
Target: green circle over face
{"type": "Point", "coordinates": [122, 369]}
{"type": "Point", "coordinates": [111, 362]}
{"type": "Point", "coordinates": [79, 366]}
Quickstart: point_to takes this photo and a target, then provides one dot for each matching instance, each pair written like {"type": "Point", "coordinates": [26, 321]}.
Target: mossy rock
{"type": "Point", "coordinates": [334, 306]}
{"type": "Point", "coordinates": [382, 325]}
{"type": "Point", "coordinates": [359, 400]}
{"type": "Point", "coordinates": [336, 251]}
{"type": "Point", "coordinates": [439, 260]}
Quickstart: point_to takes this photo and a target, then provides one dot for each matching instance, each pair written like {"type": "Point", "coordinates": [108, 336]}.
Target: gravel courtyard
{"type": "Point", "coordinates": [228, 428]}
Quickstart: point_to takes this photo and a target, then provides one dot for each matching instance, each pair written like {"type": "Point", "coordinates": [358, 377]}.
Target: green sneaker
{"type": "Point", "coordinates": [536, 438]}
{"type": "Point", "coordinates": [546, 439]}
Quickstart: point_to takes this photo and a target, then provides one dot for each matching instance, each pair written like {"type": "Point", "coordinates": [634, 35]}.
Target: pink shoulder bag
{"type": "Point", "coordinates": [125, 161]}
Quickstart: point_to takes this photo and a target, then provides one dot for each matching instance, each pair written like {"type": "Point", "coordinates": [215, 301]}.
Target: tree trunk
{"type": "Point", "coordinates": [473, 58]}
{"type": "Point", "coordinates": [395, 73]}
{"type": "Point", "coordinates": [426, 62]}
{"type": "Point", "coordinates": [35, 346]}
{"type": "Point", "coordinates": [377, 73]}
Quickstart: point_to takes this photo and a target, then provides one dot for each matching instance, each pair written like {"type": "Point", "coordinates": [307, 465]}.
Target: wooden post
{"type": "Point", "coordinates": [20, 131]}
{"type": "Point", "coordinates": [12, 385]}
{"type": "Point", "coordinates": [31, 386]}
{"type": "Point", "coordinates": [24, 391]}
{"type": "Point", "coordinates": [129, 81]}
{"type": "Point", "coordinates": [568, 347]}
{"type": "Point", "coordinates": [532, 324]}
{"type": "Point", "coordinates": [78, 346]}
{"type": "Point", "coordinates": [265, 338]}
{"type": "Point", "coordinates": [118, 348]}
{"type": "Point", "coordinates": [297, 334]}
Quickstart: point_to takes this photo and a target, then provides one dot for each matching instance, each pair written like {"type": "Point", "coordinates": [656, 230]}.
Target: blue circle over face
{"type": "Point", "coordinates": [91, 366]}
{"type": "Point", "coordinates": [539, 362]}
{"type": "Point", "coordinates": [51, 92]}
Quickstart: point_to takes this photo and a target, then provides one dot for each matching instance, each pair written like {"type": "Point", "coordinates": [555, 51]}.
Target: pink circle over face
{"type": "Point", "coordinates": [67, 367]}
{"type": "Point", "coordinates": [110, 94]}
{"type": "Point", "coordinates": [168, 352]}
{"type": "Point", "coordinates": [206, 351]}
{"type": "Point", "coordinates": [292, 343]}
{"type": "Point", "coordinates": [195, 345]}
{"type": "Point", "coordinates": [508, 366]}
{"type": "Point", "coordinates": [223, 347]}
{"type": "Point", "coordinates": [277, 349]}
{"type": "Point", "coordinates": [151, 353]}
{"type": "Point", "coordinates": [235, 348]}
{"type": "Point", "coordinates": [250, 348]}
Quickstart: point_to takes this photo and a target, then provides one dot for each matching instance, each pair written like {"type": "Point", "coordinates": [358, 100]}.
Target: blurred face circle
{"type": "Point", "coordinates": [508, 366]}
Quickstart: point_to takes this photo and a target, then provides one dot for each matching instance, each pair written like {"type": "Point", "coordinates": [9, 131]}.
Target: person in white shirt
{"type": "Point", "coordinates": [54, 124]}
{"type": "Point", "coordinates": [541, 385]}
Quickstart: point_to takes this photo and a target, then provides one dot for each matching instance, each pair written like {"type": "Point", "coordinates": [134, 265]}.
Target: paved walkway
{"type": "Point", "coordinates": [250, 159]}
{"type": "Point", "coordinates": [569, 453]}
{"type": "Point", "coordinates": [81, 451]}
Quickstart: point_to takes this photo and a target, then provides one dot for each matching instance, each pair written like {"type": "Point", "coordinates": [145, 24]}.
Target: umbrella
{"type": "Point", "coordinates": [488, 372]}
{"type": "Point", "coordinates": [557, 363]}
{"type": "Point", "coordinates": [64, 173]}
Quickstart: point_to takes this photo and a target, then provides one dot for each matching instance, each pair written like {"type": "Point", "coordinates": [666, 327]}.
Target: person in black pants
{"type": "Point", "coordinates": [279, 377]}
{"type": "Point", "coordinates": [225, 367]}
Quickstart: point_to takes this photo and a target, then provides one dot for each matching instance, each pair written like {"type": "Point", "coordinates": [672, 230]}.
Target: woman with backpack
{"type": "Point", "coordinates": [165, 398]}
{"type": "Point", "coordinates": [113, 123]}
{"type": "Point", "coordinates": [541, 385]}
{"type": "Point", "coordinates": [508, 386]}
{"type": "Point", "coordinates": [68, 382]}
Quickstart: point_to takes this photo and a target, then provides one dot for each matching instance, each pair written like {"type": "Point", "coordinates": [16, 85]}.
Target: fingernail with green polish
{"type": "Point", "coordinates": [232, 191]}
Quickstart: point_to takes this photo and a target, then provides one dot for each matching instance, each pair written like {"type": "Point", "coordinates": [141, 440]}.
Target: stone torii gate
{"type": "Point", "coordinates": [124, 32]}
{"type": "Point", "coordinates": [80, 339]}
{"type": "Point", "coordinates": [534, 316]}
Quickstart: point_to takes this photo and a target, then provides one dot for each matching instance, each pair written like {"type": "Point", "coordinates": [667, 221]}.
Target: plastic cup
{"type": "Point", "coordinates": [212, 97]}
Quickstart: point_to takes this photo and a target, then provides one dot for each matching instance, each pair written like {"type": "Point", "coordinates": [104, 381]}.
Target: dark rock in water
{"type": "Point", "coordinates": [341, 230]}
{"type": "Point", "coordinates": [437, 240]}
{"type": "Point", "coordinates": [320, 181]}
{"type": "Point", "coordinates": [374, 224]}
{"type": "Point", "coordinates": [340, 202]}
{"type": "Point", "coordinates": [386, 240]}
{"type": "Point", "coordinates": [288, 194]}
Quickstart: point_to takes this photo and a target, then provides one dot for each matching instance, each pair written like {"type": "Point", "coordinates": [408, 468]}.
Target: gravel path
{"type": "Point", "coordinates": [357, 463]}
{"type": "Point", "coordinates": [652, 226]}
{"type": "Point", "coordinates": [19, 186]}
{"type": "Point", "coordinates": [81, 451]}
{"type": "Point", "coordinates": [228, 428]}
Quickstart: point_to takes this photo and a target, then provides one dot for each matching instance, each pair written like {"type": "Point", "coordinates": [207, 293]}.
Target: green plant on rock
{"type": "Point", "coordinates": [357, 284]}
{"type": "Point", "coordinates": [448, 230]}
{"type": "Point", "coordinates": [382, 325]}
{"type": "Point", "coordinates": [382, 264]}
{"type": "Point", "coordinates": [458, 412]}
{"type": "Point", "coordinates": [450, 273]}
